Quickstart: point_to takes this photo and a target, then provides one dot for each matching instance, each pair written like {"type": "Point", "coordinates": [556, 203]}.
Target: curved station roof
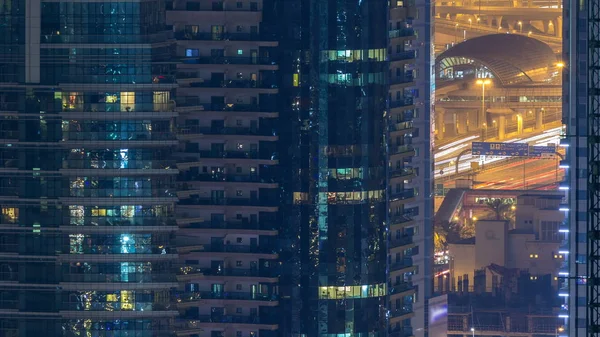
{"type": "Point", "coordinates": [511, 58]}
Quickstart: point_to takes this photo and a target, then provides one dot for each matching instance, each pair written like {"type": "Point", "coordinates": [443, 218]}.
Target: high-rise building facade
{"type": "Point", "coordinates": [227, 160]}
{"type": "Point", "coordinates": [410, 166]}
{"type": "Point", "coordinates": [580, 111]}
{"type": "Point", "coordinates": [334, 96]}
{"type": "Point", "coordinates": [87, 191]}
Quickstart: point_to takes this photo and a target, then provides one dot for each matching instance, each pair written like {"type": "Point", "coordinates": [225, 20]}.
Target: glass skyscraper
{"type": "Point", "coordinates": [86, 187]}
{"type": "Point", "coordinates": [334, 96]}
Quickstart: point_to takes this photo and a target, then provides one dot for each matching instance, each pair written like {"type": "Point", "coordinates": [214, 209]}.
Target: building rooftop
{"type": "Point", "coordinates": [511, 58]}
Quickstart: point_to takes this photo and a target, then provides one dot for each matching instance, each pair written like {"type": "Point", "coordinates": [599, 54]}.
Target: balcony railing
{"type": "Point", "coordinates": [407, 78]}
{"type": "Point", "coordinates": [403, 263]}
{"type": "Point", "coordinates": [401, 103]}
{"type": "Point", "coordinates": [233, 225]}
{"type": "Point", "coordinates": [400, 288]}
{"type": "Point", "coordinates": [241, 178]}
{"type": "Point", "coordinates": [405, 55]}
{"type": "Point", "coordinates": [199, 130]}
{"type": "Point", "coordinates": [232, 154]}
{"type": "Point", "coordinates": [401, 312]}
{"type": "Point", "coordinates": [401, 241]}
{"type": "Point", "coordinates": [402, 172]}
{"type": "Point", "coordinates": [251, 272]}
{"type": "Point", "coordinates": [226, 295]}
{"type": "Point", "coordinates": [230, 60]}
{"type": "Point", "coordinates": [235, 84]}
{"type": "Point", "coordinates": [224, 248]}
{"type": "Point", "coordinates": [192, 323]}
{"type": "Point", "coordinates": [402, 126]}
{"type": "Point", "coordinates": [402, 195]}
{"type": "Point", "coordinates": [401, 32]}
{"type": "Point", "coordinates": [192, 101]}
{"type": "Point", "coordinates": [402, 149]}
{"type": "Point", "coordinates": [230, 202]}
{"type": "Point", "coordinates": [124, 278]}
{"type": "Point", "coordinates": [210, 36]}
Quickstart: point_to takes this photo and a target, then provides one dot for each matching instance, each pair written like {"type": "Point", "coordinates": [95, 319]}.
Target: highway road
{"type": "Point", "coordinates": [525, 174]}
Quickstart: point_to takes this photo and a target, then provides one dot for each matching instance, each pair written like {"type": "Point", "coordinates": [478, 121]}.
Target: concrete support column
{"type": "Point", "coordinates": [498, 21]}
{"type": "Point", "coordinates": [465, 323]}
{"type": "Point", "coordinates": [558, 26]}
{"type": "Point", "coordinates": [461, 123]}
{"type": "Point", "coordinates": [546, 26]}
{"type": "Point", "coordinates": [501, 127]}
{"type": "Point", "coordinates": [539, 119]}
{"type": "Point", "coordinates": [507, 323]}
{"type": "Point", "coordinates": [519, 124]}
{"type": "Point", "coordinates": [440, 123]}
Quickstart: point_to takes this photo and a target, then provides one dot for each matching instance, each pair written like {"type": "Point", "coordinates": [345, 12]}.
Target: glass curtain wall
{"type": "Point", "coordinates": [334, 76]}
{"type": "Point", "coordinates": [86, 191]}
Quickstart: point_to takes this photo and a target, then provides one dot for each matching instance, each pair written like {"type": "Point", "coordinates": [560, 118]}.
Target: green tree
{"type": "Point", "coordinates": [500, 207]}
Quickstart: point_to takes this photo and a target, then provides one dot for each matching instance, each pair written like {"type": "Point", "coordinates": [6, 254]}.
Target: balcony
{"type": "Point", "coordinates": [234, 84]}
{"type": "Point", "coordinates": [402, 264]}
{"type": "Point", "coordinates": [403, 32]}
{"type": "Point", "coordinates": [400, 80]}
{"type": "Point", "coordinates": [232, 154]}
{"type": "Point", "coordinates": [210, 36]}
{"type": "Point", "coordinates": [401, 288]}
{"type": "Point", "coordinates": [406, 150]}
{"type": "Point", "coordinates": [401, 332]}
{"type": "Point", "coordinates": [202, 322]}
{"type": "Point", "coordinates": [118, 278]}
{"type": "Point", "coordinates": [227, 295]}
{"type": "Point", "coordinates": [401, 241]}
{"type": "Point", "coordinates": [404, 195]}
{"type": "Point", "coordinates": [406, 173]}
{"type": "Point", "coordinates": [242, 131]}
{"type": "Point", "coordinates": [229, 202]}
{"type": "Point", "coordinates": [195, 103]}
{"type": "Point", "coordinates": [403, 126]}
{"type": "Point", "coordinates": [237, 225]}
{"type": "Point", "coordinates": [241, 60]}
{"type": "Point", "coordinates": [399, 219]}
{"type": "Point", "coordinates": [257, 249]}
{"type": "Point", "coordinates": [405, 310]}
{"type": "Point", "coordinates": [222, 177]}
{"type": "Point", "coordinates": [189, 272]}
{"type": "Point", "coordinates": [401, 103]}
{"type": "Point", "coordinates": [402, 56]}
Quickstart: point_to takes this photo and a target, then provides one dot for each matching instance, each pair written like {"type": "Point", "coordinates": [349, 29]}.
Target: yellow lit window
{"type": "Point", "coordinates": [296, 80]}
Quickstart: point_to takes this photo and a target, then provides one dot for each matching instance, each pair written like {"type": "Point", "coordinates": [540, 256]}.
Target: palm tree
{"type": "Point", "coordinates": [499, 207]}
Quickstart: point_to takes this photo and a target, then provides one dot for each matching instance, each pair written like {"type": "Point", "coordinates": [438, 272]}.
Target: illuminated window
{"type": "Point", "coordinates": [360, 291]}
{"type": "Point", "coordinates": [533, 256]}
{"type": "Point", "coordinates": [296, 80]}
{"type": "Point", "coordinates": [240, 52]}
{"type": "Point", "coordinates": [558, 256]}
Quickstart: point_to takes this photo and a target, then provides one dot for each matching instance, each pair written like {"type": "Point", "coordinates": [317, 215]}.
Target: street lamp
{"type": "Point", "coordinates": [470, 23]}
{"type": "Point", "coordinates": [521, 27]}
{"type": "Point", "coordinates": [529, 34]}
{"type": "Point", "coordinates": [473, 331]}
{"type": "Point", "coordinates": [559, 329]}
{"type": "Point", "coordinates": [482, 83]}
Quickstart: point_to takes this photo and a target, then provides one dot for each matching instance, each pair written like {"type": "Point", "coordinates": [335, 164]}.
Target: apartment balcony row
{"type": "Point", "coordinates": [194, 103]}
{"type": "Point", "coordinates": [134, 309]}
{"type": "Point", "coordinates": [229, 248]}
{"type": "Point", "coordinates": [404, 312]}
{"type": "Point", "coordinates": [397, 82]}
{"type": "Point", "coordinates": [191, 272]}
{"type": "Point", "coordinates": [241, 131]}
{"type": "Point", "coordinates": [109, 222]}
{"type": "Point", "coordinates": [202, 322]}
{"type": "Point", "coordinates": [239, 60]}
{"type": "Point", "coordinates": [235, 225]}
{"type": "Point", "coordinates": [231, 84]}
{"type": "Point", "coordinates": [229, 202]}
{"type": "Point", "coordinates": [227, 6]}
{"type": "Point", "coordinates": [118, 164]}
{"type": "Point", "coordinates": [402, 32]}
{"type": "Point", "coordinates": [149, 277]}
{"type": "Point", "coordinates": [212, 36]}
{"type": "Point", "coordinates": [222, 177]}
{"type": "Point", "coordinates": [225, 295]}
{"type": "Point", "coordinates": [64, 37]}
{"type": "Point", "coordinates": [226, 154]}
